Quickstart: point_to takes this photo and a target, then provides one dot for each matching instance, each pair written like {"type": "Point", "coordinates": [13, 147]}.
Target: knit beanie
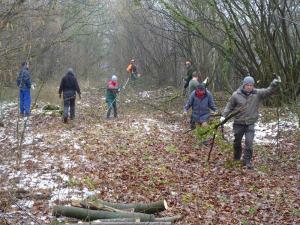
{"type": "Point", "coordinates": [248, 80]}
{"type": "Point", "coordinates": [70, 70]}
{"type": "Point", "coordinates": [114, 78]}
{"type": "Point", "coordinates": [200, 86]}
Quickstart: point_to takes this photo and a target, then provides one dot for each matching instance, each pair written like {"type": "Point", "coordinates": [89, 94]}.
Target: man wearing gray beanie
{"type": "Point", "coordinates": [246, 99]}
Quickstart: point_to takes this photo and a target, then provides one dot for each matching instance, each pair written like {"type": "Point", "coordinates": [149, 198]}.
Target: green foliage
{"type": "Point", "coordinates": [296, 212]}
{"type": "Point", "coordinates": [171, 149]}
{"type": "Point", "coordinates": [186, 198]}
{"type": "Point", "coordinates": [252, 210]}
{"type": "Point", "coordinates": [263, 168]}
{"type": "Point", "coordinates": [245, 222]}
{"type": "Point", "coordinates": [204, 133]}
{"type": "Point", "coordinates": [73, 182]}
{"type": "Point", "coordinates": [89, 182]}
{"type": "Point", "coordinates": [56, 222]}
{"type": "Point", "coordinates": [230, 164]}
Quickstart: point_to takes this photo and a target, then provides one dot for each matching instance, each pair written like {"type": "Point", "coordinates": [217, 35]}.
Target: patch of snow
{"type": "Point", "coordinates": [28, 140]}
{"type": "Point", "coordinates": [64, 194]}
{"type": "Point", "coordinates": [267, 132]}
{"type": "Point", "coordinates": [68, 163]}
{"type": "Point", "coordinates": [24, 203]}
{"type": "Point", "coordinates": [2, 134]}
{"type": "Point", "coordinates": [77, 146]}
{"type": "Point", "coordinates": [6, 105]}
{"type": "Point", "coordinates": [145, 94]}
{"type": "Point", "coordinates": [65, 135]}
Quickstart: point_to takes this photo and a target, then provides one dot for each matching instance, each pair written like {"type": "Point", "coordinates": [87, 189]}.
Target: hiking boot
{"type": "Point", "coordinates": [249, 166]}
{"type": "Point", "coordinates": [65, 119]}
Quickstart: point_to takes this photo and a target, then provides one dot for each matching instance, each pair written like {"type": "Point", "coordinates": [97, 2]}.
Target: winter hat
{"type": "Point", "coordinates": [200, 86]}
{"type": "Point", "coordinates": [114, 78]}
{"type": "Point", "coordinates": [70, 70]}
{"type": "Point", "coordinates": [248, 80]}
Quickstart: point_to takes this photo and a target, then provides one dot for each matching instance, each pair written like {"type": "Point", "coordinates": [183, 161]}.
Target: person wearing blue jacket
{"type": "Point", "coordinates": [201, 101]}
{"type": "Point", "coordinates": [24, 84]}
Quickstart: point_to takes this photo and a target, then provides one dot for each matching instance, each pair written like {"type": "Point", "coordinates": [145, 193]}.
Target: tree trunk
{"type": "Point", "coordinates": [171, 219]}
{"type": "Point", "coordinates": [88, 215]}
{"type": "Point", "coordinates": [148, 208]}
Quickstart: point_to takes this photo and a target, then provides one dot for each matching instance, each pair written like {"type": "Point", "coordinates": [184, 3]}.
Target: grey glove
{"type": "Point", "coordinates": [277, 80]}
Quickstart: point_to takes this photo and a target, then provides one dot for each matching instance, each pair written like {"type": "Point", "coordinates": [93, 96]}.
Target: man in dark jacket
{"type": "Point", "coordinates": [190, 70]}
{"type": "Point", "coordinates": [24, 84]}
{"type": "Point", "coordinates": [69, 86]}
{"type": "Point", "coordinates": [247, 99]}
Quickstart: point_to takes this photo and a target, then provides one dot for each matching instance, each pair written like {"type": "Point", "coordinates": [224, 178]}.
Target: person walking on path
{"type": "Point", "coordinates": [194, 82]}
{"type": "Point", "coordinates": [190, 70]}
{"type": "Point", "coordinates": [132, 69]}
{"type": "Point", "coordinates": [111, 95]}
{"type": "Point", "coordinates": [201, 101]}
{"type": "Point", "coordinates": [69, 86]}
{"type": "Point", "coordinates": [24, 84]}
{"type": "Point", "coordinates": [246, 99]}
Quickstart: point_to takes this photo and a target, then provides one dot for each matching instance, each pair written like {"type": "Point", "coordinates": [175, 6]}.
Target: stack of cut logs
{"type": "Point", "coordinates": [107, 213]}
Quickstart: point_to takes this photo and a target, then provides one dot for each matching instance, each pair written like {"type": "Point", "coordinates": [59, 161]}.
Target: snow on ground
{"type": "Point", "coordinates": [268, 132]}
{"type": "Point", "coordinates": [147, 124]}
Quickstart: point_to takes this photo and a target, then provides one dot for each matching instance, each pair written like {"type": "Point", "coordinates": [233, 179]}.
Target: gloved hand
{"type": "Point", "coordinates": [277, 80]}
{"type": "Point", "coordinates": [222, 119]}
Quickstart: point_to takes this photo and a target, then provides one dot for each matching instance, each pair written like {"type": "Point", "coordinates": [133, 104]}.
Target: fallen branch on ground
{"type": "Point", "coordinates": [148, 208]}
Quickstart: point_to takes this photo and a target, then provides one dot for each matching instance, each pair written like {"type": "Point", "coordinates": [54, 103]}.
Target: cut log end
{"type": "Point", "coordinates": [166, 205]}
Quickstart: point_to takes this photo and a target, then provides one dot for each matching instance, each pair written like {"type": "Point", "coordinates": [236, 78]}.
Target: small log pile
{"type": "Point", "coordinates": [107, 213]}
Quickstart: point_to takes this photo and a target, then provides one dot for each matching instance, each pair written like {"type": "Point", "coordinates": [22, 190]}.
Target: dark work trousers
{"type": "Point", "coordinates": [110, 106]}
{"type": "Point", "coordinates": [239, 131]}
{"type": "Point", "coordinates": [192, 123]}
{"type": "Point", "coordinates": [69, 103]}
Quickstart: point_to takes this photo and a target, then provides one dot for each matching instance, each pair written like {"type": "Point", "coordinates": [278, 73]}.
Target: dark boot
{"type": "Point", "coordinates": [193, 124]}
{"type": "Point", "coordinates": [249, 165]}
{"type": "Point", "coordinates": [237, 152]}
{"type": "Point", "coordinates": [108, 113]}
{"type": "Point", "coordinates": [115, 111]}
{"type": "Point", "coordinates": [65, 119]}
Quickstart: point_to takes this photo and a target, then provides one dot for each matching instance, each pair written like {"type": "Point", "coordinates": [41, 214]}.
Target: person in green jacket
{"type": "Point", "coordinates": [113, 88]}
{"type": "Point", "coordinates": [194, 82]}
{"type": "Point", "coordinates": [246, 99]}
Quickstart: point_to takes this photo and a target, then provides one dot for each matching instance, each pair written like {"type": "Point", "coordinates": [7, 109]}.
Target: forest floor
{"type": "Point", "coordinates": [143, 156]}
